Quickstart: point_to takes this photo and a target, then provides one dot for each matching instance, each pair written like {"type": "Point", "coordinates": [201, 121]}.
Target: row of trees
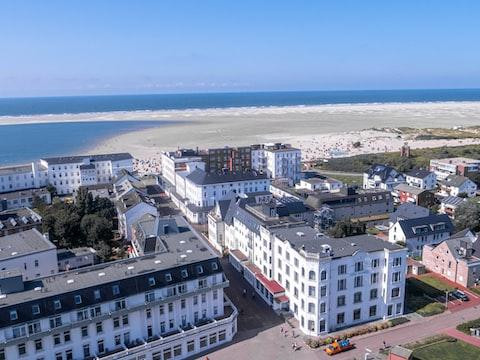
{"type": "Point", "coordinates": [87, 222]}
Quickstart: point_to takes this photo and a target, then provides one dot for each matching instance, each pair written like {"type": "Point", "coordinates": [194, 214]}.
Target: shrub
{"type": "Point", "coordinates": [465, 327]}
{"type": "Point", "coordinates": [431, 309]}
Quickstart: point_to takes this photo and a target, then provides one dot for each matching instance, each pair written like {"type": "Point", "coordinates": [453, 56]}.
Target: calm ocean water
{"type": "Point", "coordinates": [81, 104]}
{"type": "Point", "coordinates": [22, 143]}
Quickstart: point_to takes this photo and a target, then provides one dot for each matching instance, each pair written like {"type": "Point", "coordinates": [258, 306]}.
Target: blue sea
{"type": "Point", "coordinates": [26, 142]}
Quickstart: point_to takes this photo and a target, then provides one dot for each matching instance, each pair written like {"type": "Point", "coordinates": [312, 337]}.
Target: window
{"type": "Point", "coordinates": [358, 281]}
{"type": "Point", "coordinates": [214, 266]}
{"type": "Point", "coordinates": [35, 309]}
{"type": "Point", "coordinates": [215, 294]}
{"type": "Point", "coordinates": [396, 276]}
{"type": "Point", "coordinates": [148, 313]}
{"type": "Point", "coordinates": [199, 269]}
{"type": "Point", "coordinates": [375, 263]}
{"type": "Point", "coordinates": [55, 322]}
{"type": "Point", "coordinates": [115, 290]}
{"type": "Point", "coordinates": [66, 336]}
{"type": "Point", "coordinates": [78, 299]}
{"type": "Point", "coordinates": [203, 341]}
{"type": "Point", "coordinates": [389, 310]}
{"type": "Point", "coordinates": [359, 266]}
{"type": "Point", "coordinates": [341, 300]}
{"type": "Point", "coordinates": [56, 339]}
{"type": "Point", "coordinates": [125, 319]}
{"type": "Point", "coordinates": [357, 297]}
{"type": "Point", "coordinates": [38, 345]}
{"type": "Point", "coordinates": [373, 294]}
{"type": "Point", "coordinates": [184, 273]}
{"type": "Point", "coordinates": [96, 294]}
{"type": "Point", "coordinates": [34, 327]}
{"type": "Point", "coordinates": [399, 308]}
{"type": "Point", "coordinates": [312, 275]}
{"type": "Point", "coordinates": [170, 307]}
{"type": "Point", "coordinates": [149, 297]}
{"type": "Point", "coordinates": [311, 308]}
{"type": "Point", "coordinates": [356, 314]}
{"type": "Point", "coordinates": [183, 304]}
{"type": "Point", "coordinates": [151, 281]}
{"type": "Point", "coordinates": [213, 338]}
{"type": "Point", "coordinates": [22, 350]}
{"type": "Point", "coordinates": [120, 304]}
{"type": "Point", "coordinates": [177, 350]}
{"type": "Point", "coordinates": [374, 278]}
{"type": "Point", "coordinates": [204, 298]}
{"type": "Point", "coordinates": [84, 331]}
{"type": "Point", "coordinates": [395, 292]}
{"type": "Point", "coordinates": [13, 315]}
{"type": "Point", "coordinates": [86, 350]}
{"type": "Point", "coordinates": [100, 345]}
{"type": "Point", "coordinates": [168, 277]}
{"type": "Point", "coordinates": [342, 269]}
{"type": "Point", "coordinates": [311, 291]}
{"type": "Point", "coordinates": [57, 305]}
{"type": "Point", "coordinates": [99, 327]}
{"type": "Point", "coordinates": [397, 261]}
{"type": "Point", "coordinates": [373, 310]}
{"type": "Point", "coordinates": [323, 275]}
{"type": "Point", "coordinates": [323, 291]}
{"type": "Point", "coordinates": [340, 318]}
{"type": "Point", "coordinates": [341, 284]}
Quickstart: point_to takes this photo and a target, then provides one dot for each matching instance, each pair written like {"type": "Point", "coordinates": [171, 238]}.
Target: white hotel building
{"type": "Point", "coordinates": [164, 306]}
{"type": "Point", "coordinates": [66, 174]}
{"type": "Point", "coordinates": [328, 284]}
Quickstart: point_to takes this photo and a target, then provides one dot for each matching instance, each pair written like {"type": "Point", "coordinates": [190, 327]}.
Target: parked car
{"type": "Point", "coordinates": [460, 295]}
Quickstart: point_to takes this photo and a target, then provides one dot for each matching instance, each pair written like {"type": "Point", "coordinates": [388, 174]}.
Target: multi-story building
{"type": "Point", "coordinates": [454, 166]}
{"type": "Point", "coordinates": [416, 195]}
{"type": "Point", "coordinates": [456, 185]}
{"type": "Point", "coordinates": [227, 158]}
{"type": "Point", "coordinates": [23, 198]}
{"type": "Point", "coordinates": [68, 173]}
{"type": "Point", "coordinates": [131, 207]}
{"type": "Point", "coordinates": [21, 177]}
{"type": "Point", "coordinates": [169, 305]}
{"type": "Point", "coordinates": [457, 259]}
{"type": "Point", "coordinates": [422, 179]}
{"type": "Point", "coordinates": [197, 191]}
{"type": "Point", "coordinates": [382, 177]}
{"type": "Point", "coordinates": [417, 232]}
{"type": "Point", "coordinates": [328, 284]}
{"type": "Point", "coordinates": [70, 259]}
{"type": "Point", "coordinates": [279, 161]}
{"type": "Point", "coordinates": [349, 203]}
{"type": "Point", "coordinates": [449, 205]}
{"type": "Point", "coordinates": [177, 161]}
{"type": "Point", "coordinates": [18, 220]}
{"type": "Point", "coordinates": [29, 252]}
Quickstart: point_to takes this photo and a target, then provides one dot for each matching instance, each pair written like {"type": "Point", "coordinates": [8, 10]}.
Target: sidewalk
{"type": "Point", "coordinates": [461, 336]}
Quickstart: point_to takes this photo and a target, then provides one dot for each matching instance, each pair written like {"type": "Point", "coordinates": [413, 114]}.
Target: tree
{"type": "Point", "coordinates": [84, 202]}
{"type": "Point", "coordinates": [346, 228]}
{"type": "Point", "coordinates": [96, 229]}
{"type": "Point", "coordinates": [67, 228]}
{"type": "Point", "coordinates": [467, 216]}
{"type": "Point", "coordinates": [38, 203]}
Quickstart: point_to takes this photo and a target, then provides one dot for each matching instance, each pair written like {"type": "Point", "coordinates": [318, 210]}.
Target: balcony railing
{"type": "Point", "coordinates": [230, 313]}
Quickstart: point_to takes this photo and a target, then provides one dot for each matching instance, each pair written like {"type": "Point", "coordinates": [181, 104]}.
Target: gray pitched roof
{"type": "Point", "coordinates": [383, 171]}
{"type": "Point", "coordinates": [80, 158]}
{"type": "Point", "coordinates": [452, 200]}
{"type": "Point", "coordinates": [419, 173]}
{"type": "Point", "coordinates": [454, 180]}
{"type": "Point", "coordinates": [201, 177]}
{"type": "Point", "coordinates": [432, 224]}
{"type": "Point", "coordinates": [308, 239]}
{"type": "Point", "coordinates": [23, 243]}
{"type": "Point", "coordinates": [408, 211]}
{"type": "Point", "coordinates": [409, 189]}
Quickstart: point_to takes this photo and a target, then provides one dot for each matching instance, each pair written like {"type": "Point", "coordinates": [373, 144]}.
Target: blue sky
{"type": "Point", "coordinates": [109, 47]}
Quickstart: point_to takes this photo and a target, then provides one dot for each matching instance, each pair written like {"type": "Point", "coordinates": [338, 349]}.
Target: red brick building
{"type": "Point", "coordinates": [414, 195]}
{"type": "Point", "coordinates": [457, 259]}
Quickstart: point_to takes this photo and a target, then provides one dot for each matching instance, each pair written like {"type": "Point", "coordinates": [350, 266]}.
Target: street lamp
{"type": "Point", "coordinates": [446, 298]}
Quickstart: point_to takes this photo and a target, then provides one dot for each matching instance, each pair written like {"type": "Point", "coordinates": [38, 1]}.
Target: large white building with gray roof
{"type": "Point", "coordinates": [169, 305]}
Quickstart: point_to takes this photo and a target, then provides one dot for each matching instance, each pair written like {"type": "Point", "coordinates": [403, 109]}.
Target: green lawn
{"type": "Point", "coordinates": [420, 295]}
{"type": "Point", "coordinates": [347, 179]}
{"type": "Point", "coordinates": [436, 283]}
{"type": "Point", "coordinates": [447, 350]}
{"type": "Point", "coordinates": [466, 326]}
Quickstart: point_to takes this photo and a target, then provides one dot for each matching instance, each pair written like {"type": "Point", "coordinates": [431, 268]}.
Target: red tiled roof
{"type": "Point", "coordinates": [240, 256]}
{"type": "Point", "coordinates": [271, 285]}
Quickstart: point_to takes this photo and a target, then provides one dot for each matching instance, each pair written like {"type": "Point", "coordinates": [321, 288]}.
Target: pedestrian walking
{"type": "Point", "coordinates": [281, 329]}
{"type": "Point", "coordinates": [384, 344]}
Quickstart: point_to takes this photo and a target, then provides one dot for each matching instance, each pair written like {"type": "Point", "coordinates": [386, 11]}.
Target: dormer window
{"type": "Point", "coordinates": [115, 290]}
{"type": "Point", "coordinates": [13, 315]}
{"type": "Point", "coordinates": [151, 281]}
{"type": "Point", "coordinates": [35, 309]}
{"type": "Point", "coordinates": [78, 299]}
{"type": "Point", "coordinates": [184, 273]}
{"type": "Point", "coordinates": [214, 266]}
{"type": "Point", "coordinates": [200, 269]}
{"type": "Point", "coordinates": [96, 294]}
{"type": "Point", "coordinates": [168, 277]}
{"type": "Point", "coordinates": [57, 305]}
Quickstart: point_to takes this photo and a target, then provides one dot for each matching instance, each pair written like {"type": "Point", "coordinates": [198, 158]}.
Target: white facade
{"type": "Point", "coordinates": [279, 161]}
{"type": "Point", "coordinates": [170, 322]}
{"type": "Point", "coordinates": [21, 177]}
{"type": "Point", "coordinates": [317, 184]}
{"type": "Point", "coordinates": [454, 166]}
{"type": "Point", "coordinates": [69, 173]}
{"type": "Point", "coordinates": [429, 182]}
{"type": "Point", "coordinates": [173, 163]}
{"type": "Point", "coordinates": [382, 177]}
{"type": "Point", "coordinates": [466, 186]}
{"type": "Point", "coordinates": [328, 294]}
{"type": "Point", "coordinates": [28, 252]}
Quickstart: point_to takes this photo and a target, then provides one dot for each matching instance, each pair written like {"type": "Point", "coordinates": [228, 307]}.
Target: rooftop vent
{"type": "Point", "coordinates": [130, 267]}
{"type": "Point", "coordinates": [14, 253]}
{"type": "Point", "coordinates": [38, 288]}
{"type": "Point", "coordinates": [101, 274]}
{"type": "Point", "coordinates": [189, 251]}
{"type": "Point", "coordinates": [299, 233]}
{"type": "Point", "coordinates": [353, 244]}
{"type": "Point", "coordinates": [3, 296]}
{"type": "Point", "coordinates": [158, 261]}
{"type": "Point", "coordinates": [70, 281]}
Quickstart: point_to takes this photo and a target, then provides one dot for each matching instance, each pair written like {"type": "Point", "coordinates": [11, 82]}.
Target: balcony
{"type": "Point", "coordinates": [148, 345]}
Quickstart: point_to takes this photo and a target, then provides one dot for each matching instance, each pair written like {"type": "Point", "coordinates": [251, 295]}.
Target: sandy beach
{"type": "Point", "coordinates": [320, 131]}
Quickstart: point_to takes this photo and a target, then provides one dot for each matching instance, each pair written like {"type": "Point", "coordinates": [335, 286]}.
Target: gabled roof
{"type": "Point", "coordinates": [455, 180]}
{"type": "Point", "coordinates": [452, 200]}
{"type": "Point", "coordinates": [80, 158]}
{"type": "Point", "coordinates": [408, 211]}
{"type": "Point", "coordinates": [383, 172]}
{"type": "Point", "coordinates": [409, 189]}
{"type": "Point", "coordinates": [432, 224]}
{"type": "Point", "coordinates": [419, 173]}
